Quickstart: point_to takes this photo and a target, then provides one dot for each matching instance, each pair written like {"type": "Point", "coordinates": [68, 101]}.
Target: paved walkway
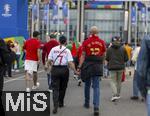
{"type": "Point", "coordinates": [74, 98]}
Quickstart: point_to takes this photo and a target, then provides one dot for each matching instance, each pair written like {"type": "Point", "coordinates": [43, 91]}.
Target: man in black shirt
{"type": "Point", "coordinates": [3, 50]}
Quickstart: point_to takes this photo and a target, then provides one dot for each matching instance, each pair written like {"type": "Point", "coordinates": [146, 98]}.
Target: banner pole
{"type": "Point", "coordinates": [78, 21]}
{"type": "Point", "coordinates": [129, 23]}
{"type": "Point", "coordinates": [38, 15]}
{"type": "Point", "coordinates": [47, 31]}
{"type": "Point", "coordinates": [68, 30]}
{"type": "Point", "coordinates": [146, 24]}
{"type": "Point", "coordinates": [32, 22]}
{"type": "Point", "coordinates": [136, 24]}
{"type": "Point", "coordinates": [58, 23]}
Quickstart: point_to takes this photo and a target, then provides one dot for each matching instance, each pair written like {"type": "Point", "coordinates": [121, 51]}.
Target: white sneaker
{"type": "Point", "coordinates": [17, 71]}
{"type": "Point", "coordinates": [37, 86]}
{"type": "Point", "coordinates": [34, 87]}
{"type": "Point", "coordinates": [114, 98]}
{"type": "Point", "coordinates": [50, 90]}
{"type": "Point", "coordinates": [75, 77]}
{"type": "Point", "coordinates": [28, 90]}
{"type": "Point", "coordinates": [118, 97]}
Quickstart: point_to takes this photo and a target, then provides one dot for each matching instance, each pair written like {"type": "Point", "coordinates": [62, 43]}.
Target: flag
{"type": "Point", "coordinates": [74, 50]}
{"type": "Point", "coordinates": [76, 42]}
{"type": "Point", "coordinates": [133, 16]}
{"type": "Point", "coordinates": [34, 11]}
{"type": "Point", "coordinates": [143, 13]}
{"type": "Point", "coordinates": [55, 13]}
{"type": "Point", "coordinates": [46, 9]}
{"type": "Point", "coordinates": [123, 77]}
{"type": "Point", "coordinates": [46, 1]}
{"type": "Point", "coordinates": [60, 2]}
{"type": "Point", "coordinates": [65, 10]}
{"type": "Point", "coordinates": [52, 2]}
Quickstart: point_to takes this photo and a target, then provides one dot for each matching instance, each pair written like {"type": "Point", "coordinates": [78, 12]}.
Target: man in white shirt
{"type": "Point", "coordinates": [134, 59]}
{"type": "Point", "coordinates": [60, 57]}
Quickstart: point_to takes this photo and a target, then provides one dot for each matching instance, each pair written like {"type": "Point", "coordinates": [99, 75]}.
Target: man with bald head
{"type": "Point", "coordinates": [91, 66]}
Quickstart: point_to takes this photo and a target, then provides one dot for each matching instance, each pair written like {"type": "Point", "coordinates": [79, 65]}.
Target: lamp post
{"type": "Point", "coordinates": [136, 25]}
{"type": "Point", "coordinates": [32, 22]}
{"type": "Point", "coordinates": [129, 22]}
{"type": "Point", "coordinates": [38, 15]}
{"type": "Point", "coordinates": [78, 20]}
{"type": "Point", "coordinates": [126, 21]}
{"type": "Point", "coordinates": [82, 22]}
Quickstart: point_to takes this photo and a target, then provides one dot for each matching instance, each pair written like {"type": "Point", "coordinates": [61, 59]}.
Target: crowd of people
{"type": "Point", "coordinates": [90, 62]}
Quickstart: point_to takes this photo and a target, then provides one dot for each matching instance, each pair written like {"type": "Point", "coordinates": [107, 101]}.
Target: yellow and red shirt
{"type": "Point", "coordinates": [94, 46]}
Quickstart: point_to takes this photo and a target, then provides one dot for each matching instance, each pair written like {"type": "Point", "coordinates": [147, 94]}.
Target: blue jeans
{"type": "Point", "coordinates": [148, 104]}
{"type": "Point", "coordinates": [96, 91]}
{"type": "Point", "coordinates": [135, 88]}
{"type": "Point", "coordinates": [18, 61]}
{"type": "Point", "coordinates": [128, 64]}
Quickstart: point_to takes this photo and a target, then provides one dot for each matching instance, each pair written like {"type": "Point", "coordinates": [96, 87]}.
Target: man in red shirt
{"type": "Point", "coordinates": [32, 50]}
{"type": "Point", "coordinates": [91, 65]}
{"type": "Point", "coordinates": [51, 42]}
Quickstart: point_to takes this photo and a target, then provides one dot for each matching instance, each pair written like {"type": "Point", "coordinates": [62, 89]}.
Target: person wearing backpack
{"type": "Point", "coordinates": [59, 58]}
{"type": "Point", "coordinates": [91, 67]}
{"type": "Point", "coordinates": [116, 57]}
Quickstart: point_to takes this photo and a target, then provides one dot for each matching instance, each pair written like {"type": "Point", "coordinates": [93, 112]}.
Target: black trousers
{"type": "Point", "coordinates": [60, 77]}
{"type": "Point", "coordinates": [8, 69]}
{"type": "Point", "coordinates": [2, 69]}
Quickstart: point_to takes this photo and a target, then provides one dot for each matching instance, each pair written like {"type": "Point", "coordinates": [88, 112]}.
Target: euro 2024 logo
{"type": "Point", "coordinates": [7, 9]}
